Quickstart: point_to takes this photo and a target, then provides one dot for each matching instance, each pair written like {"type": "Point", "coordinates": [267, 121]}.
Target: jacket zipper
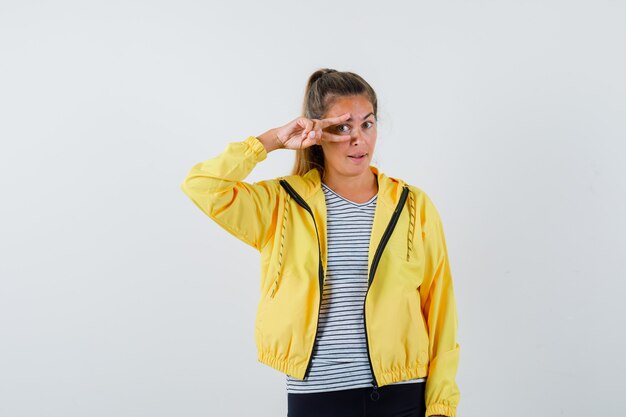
{"type": "Point", "coordinates": [304, 205]}
{"type": "Point", "coordinates": [379, 250]}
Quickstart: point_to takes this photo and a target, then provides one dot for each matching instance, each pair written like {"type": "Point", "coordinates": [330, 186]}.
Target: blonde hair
{"type": "Point", "coordinates": [323, 87]}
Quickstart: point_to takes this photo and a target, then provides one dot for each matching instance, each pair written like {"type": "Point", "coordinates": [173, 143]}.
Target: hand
{"type": "Point", "coordinates": [301, 133]}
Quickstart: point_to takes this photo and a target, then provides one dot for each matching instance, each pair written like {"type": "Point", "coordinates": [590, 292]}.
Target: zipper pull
{"type": "Point", "coordinates": [374, 395]}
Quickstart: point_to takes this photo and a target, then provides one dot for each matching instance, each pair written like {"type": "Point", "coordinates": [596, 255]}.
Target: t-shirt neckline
{"type": "Point", "coordinates": [350, 201]}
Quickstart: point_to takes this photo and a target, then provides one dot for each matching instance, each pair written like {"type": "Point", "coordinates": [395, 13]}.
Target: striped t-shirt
{"type": "Point", "coordinates": [339, 358]}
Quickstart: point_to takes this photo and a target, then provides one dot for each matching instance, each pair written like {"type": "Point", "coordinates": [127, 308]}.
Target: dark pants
{"type": "Point", "coordinates": [402, 400]}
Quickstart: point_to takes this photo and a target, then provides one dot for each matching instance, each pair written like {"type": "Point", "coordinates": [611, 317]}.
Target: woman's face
{"type": "Point", "coordinates": [351, 157]}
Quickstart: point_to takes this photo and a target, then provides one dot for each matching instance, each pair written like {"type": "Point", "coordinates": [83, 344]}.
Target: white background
{"type": "Point", "coordinates": [118, 297]}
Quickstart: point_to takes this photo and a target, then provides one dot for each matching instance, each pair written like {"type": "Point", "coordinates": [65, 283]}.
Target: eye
{"type": "Point", "coordinates": [370, 124]}
{"type": "Point", "coordinates": [339, 128]}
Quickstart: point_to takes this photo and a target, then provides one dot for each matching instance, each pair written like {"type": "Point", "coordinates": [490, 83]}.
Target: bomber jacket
{"type": "Point", "coordinates": [409, 311]}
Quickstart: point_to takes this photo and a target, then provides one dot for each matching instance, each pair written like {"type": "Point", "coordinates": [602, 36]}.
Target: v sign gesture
{"type": "Point", "coordinates": [302, 132]}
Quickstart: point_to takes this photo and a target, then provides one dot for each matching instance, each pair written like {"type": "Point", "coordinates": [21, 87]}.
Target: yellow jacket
{"type": "Point", "coordinates": [410, 311]}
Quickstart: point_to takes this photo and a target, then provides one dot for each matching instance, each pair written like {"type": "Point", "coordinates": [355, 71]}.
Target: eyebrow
{"type": "Point", "coordinates": [364, 117]}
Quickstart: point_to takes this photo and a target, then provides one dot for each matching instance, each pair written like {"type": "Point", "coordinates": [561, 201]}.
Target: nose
{"type": "Point", "coordinates": [355, 137]}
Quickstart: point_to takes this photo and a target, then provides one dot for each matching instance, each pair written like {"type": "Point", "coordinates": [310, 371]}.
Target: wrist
{"type": "Point", "coordinates": [270, 140]}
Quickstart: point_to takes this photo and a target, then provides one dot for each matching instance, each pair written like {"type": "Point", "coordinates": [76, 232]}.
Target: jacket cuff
{"type": "Point", "coordinates": [256, 148]}
{"type": "Point", "coordinates": [440, 409]}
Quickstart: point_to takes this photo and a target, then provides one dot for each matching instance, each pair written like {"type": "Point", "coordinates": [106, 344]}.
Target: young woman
{"type": "Point", "coordinates": [357, 305]}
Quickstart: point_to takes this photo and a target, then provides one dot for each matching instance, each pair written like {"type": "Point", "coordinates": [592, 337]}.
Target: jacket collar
{"type": "Point", "coordinates": [309, 184]}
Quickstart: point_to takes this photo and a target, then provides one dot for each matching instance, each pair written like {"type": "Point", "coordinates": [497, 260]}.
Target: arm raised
{"type": "Point", "coordinates": [216, 186]}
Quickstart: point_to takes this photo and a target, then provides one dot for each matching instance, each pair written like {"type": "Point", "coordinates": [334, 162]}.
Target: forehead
{"type": "Point", "coordinates": [359, 106]}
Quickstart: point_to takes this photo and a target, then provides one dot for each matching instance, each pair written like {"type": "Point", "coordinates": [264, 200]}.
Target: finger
{"type": "Point", "coordinates": [307, 125]}
{"type": "Point", "coordinates": [299, 143]}
{"type": "Point", "coordinates": [334, 120]}
{"type": "Point", "coordinates": [308, 141]}
{"type": "Point", "coordinates": [318, 131]}
{"type": "Point", "coordinates": [312, 135]}
{"type": "Point", "coordinates": [331, 137]}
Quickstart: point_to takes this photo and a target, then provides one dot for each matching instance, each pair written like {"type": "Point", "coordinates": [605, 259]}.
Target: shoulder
{"type": "Point", "coordinates": [417, 193]}
{"type": "Point", "coordinates": [423, 204]}
{"type": "Point", "coordinates": [305, 185]}
{"type": "Point", "coordinates": [420, 194]}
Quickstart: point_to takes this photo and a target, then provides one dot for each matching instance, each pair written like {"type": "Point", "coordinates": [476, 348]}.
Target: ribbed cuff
{"type": "Point", "coordinates": [440, 409]}
{"type": "Point", "coordinates": [256, 147]}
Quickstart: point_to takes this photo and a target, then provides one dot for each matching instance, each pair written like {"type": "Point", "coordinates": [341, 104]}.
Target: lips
{"type": "Point", "coordinates": [357, 156]}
